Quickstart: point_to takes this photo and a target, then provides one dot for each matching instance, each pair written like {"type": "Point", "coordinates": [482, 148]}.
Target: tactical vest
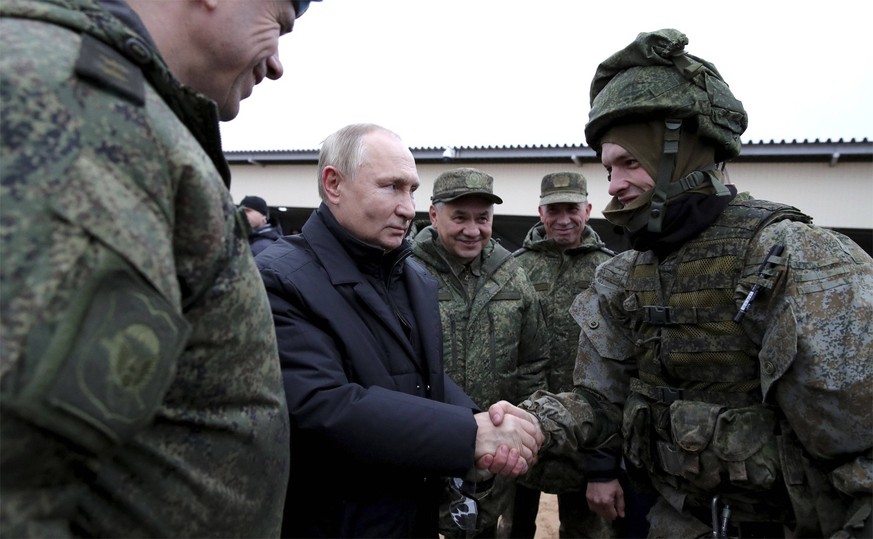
{"type": "Point", "coordinates": [696, 417]}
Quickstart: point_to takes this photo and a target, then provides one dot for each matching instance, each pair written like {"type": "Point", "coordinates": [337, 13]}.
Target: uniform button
{"type": "Point", "coordinates": [769, 368]}
{"type": "Point", "coordinates": [138, 50]}
{"type": "Point", "coordinates": [417, 386]}
{"type": "Point", "coordinates": [593, 324]}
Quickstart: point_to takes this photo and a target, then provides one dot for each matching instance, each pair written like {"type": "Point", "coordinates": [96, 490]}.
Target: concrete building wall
{"type": "Point", "coordinates": [839, 196]}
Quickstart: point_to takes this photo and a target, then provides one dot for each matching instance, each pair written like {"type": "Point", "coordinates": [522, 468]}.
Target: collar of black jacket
{"type": "Point", "coordinates": [370, 260]}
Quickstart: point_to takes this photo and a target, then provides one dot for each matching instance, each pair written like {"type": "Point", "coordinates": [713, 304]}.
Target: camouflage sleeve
{"type": "Point", "coordinates": [605, 357]}
{"type": "Point", "coordinates": [533, 358]}
{"type": "Point", "coordinates": [590, 416]}
{"type": "Point", "coordinates": [818, 344]}
{"type": "Point", "coordinates": [817, 348]}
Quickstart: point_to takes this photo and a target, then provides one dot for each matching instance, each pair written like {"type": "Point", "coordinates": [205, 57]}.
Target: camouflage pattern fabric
{"type": "Point", "coordinates": [494, 338]}
{"type": "Point", "coordinates": [655, 76]}
{"type": "Point", "coordinates": [559, 276]}
{"type": "Point", "coordinates": [813, 320]}
{"type": "Point", "coordinates": [140, 392]}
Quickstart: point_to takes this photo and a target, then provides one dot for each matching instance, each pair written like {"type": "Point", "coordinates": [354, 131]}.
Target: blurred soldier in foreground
{"type": "Point", "coordinates": [731, 348]}
{"type": "Point", "coordinates": [494, 339]}
{"type": "Point", "coordinates": [141, 392]}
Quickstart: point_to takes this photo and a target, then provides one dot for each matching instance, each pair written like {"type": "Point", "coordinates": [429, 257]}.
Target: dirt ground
{"type": "Point", "coordinates": [547, 519]}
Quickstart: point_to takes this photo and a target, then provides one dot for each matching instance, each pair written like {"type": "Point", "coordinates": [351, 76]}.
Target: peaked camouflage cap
{"type": "Point", "coordinates": [461, 182]}
{"type": "Point", "coordinates": [653, 78]}
{"type": "Point", "coordinates": [563, 187]}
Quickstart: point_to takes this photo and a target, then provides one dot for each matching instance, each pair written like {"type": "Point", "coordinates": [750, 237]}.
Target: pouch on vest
{"type": "Point", "coordinates": [635, 429]}
{"type": "Point", "coordinates": [712, 443]}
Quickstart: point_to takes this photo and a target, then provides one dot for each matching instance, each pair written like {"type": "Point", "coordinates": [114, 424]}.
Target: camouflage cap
{"type": "Point", "coordinates": [461, 182]}
{"type": "Point", "coordinates": [563, 187]}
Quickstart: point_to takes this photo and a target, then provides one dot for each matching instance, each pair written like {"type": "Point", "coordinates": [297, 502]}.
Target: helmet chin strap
{"type": "Point", "coordinates": [665, 173]}
{"type": "Point", "coordinates": [664, 190]}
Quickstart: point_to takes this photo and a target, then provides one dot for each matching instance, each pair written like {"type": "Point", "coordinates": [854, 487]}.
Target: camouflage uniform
{"type": "Point", "coordinates": [761, 419]}
{"type": "Point", "coordinates": [141, 393]}
{"type": "Point", "coordinates": [494, 340]}
{"type": "Point", "coordinates": [559, 275]}
{"type": "Point", "coordinates": [757, 425]}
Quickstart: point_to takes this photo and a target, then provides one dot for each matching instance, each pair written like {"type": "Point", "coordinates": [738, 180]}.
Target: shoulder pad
{"type": "Point", "coordinates": [102, 65]}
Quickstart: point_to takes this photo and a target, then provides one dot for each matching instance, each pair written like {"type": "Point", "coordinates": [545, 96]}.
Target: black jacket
{"type": "Point", "coordinates": [262, 238]}
{"type": "Point", "coordinates": [374, 425]}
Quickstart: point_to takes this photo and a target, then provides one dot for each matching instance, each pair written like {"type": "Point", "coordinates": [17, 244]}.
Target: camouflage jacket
{"type": "Point", "coordinates": [558, 276]}
{"type": "Point", "coordinates": [141, 392]}
{"type": "Point", "coordinates": [810, 325]}
{"type": "Point", "coordinates": [494, 339]}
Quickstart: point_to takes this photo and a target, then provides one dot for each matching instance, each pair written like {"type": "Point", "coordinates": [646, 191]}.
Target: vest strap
{"type": "Point", "coordinates": [667, 395]}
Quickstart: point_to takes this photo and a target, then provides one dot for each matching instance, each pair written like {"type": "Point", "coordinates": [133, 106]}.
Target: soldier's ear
{"type": "Point", "coordinates": [433, 215]}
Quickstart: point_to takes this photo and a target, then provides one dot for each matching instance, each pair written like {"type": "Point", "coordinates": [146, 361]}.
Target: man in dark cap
{"type": "Point", "coordinates": [494, 339]}
{"type": "Point", "coordinates": [728, 353]}
{"type": "Point", "coordinates": [258, 214]}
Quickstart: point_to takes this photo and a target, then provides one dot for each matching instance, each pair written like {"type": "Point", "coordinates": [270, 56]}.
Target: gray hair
{"type": "Point", "coordinates": [344, 150]}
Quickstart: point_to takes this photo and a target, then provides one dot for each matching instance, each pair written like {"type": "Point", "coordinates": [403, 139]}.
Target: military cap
{"type": "Point", "coordinates": [461, 182]}
{"type": "Point", "coordinates": [255, 203]}
{"type": "Point", "coordinates": [563, 187]}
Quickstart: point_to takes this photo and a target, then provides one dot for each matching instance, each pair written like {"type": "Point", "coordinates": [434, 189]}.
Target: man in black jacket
{"type": "Point", "coordinates": [377, 426]}
{"type": "Point", "coordinates": [258, 215]}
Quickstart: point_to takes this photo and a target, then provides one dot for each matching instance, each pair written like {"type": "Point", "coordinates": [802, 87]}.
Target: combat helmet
{"type": "Point", "coordinates": [654, 78]}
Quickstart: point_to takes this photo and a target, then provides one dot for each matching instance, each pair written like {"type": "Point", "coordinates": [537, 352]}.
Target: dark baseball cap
{"type": "Point", "coordinates": [563, 187]}
{"type": "Point", "coordinates": [255, 203]}
{"type": "Point", "coordinates": [461, 182]}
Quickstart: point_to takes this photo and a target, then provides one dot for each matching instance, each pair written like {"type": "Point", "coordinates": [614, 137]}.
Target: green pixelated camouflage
{"type": "Point", "coordinates": [654, 77]}
{"type": "Point", "coordinates": [559, 275]}
{"type": "Point", "coordinates": [461, 182]}
{"type": "Point", "coordinates": [813, 320]}
{"type": "Point", "coordinates": [136, 338]}
{"type": "Point", "coordinates": [494, 343]}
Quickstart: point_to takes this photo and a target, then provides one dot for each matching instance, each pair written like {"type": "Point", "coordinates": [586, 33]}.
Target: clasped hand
{"type": "Point", "coordinates": [507, 440]}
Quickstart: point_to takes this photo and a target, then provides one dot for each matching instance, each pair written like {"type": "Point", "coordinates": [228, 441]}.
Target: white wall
{"type": "Point", "coordinates": [840, 196]}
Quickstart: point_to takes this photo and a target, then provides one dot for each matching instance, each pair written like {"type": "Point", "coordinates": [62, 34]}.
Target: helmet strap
{"type": "Point", "coordinates": [665, 173]}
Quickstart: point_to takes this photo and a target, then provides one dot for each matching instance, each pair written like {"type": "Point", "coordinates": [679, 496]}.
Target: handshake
{"type": "Point", "coordinates": [507, 440]}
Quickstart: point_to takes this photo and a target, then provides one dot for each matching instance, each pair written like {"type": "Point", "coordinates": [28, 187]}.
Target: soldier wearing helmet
{"type": "Point", "coordinates": [727, 355]}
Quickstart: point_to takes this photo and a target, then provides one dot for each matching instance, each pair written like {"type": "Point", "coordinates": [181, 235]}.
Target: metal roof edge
{"type": "Point", "coordinates": [816, 150]}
